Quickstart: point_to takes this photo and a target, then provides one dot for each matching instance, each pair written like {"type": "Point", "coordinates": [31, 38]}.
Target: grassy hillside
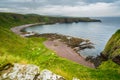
{"type": "Point", "coordinates": [11, 19]}
{"type": "Point", "coordinates": [16, 19]}
{"type": "Point", "coordinates": [112, 49]}
{"type": "Point", "coordinates": [15, 49]}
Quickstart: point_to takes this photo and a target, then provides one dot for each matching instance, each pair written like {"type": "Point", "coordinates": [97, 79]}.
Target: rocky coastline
{"type": "Point", "coordinates": [75, 43]}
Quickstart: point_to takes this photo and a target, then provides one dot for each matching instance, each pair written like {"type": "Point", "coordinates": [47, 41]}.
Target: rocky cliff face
{"type": "Point", "coordinates": [71, 20]}
{"type": "Point", "coordinates": [112, 48]}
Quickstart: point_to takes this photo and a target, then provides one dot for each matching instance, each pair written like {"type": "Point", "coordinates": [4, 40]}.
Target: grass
{"type": "Point", "coordinates": [15, 49]}
{"type": "Point", "coordinates": [112, 48]}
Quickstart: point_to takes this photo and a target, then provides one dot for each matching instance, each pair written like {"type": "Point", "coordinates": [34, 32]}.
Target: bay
{"type": "Point", "coordinates": [97, 32]}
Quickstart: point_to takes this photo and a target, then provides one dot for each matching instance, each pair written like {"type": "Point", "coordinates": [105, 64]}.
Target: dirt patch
{"type": "Point", "coordinates": [67, 52]}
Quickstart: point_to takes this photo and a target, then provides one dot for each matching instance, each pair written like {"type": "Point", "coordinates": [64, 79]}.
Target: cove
{"type": "Point", "coordinates": [98, 33]}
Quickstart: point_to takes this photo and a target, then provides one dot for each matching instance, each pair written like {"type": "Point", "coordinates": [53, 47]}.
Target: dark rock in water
{"type": "Point", "coordinates": [86, 44]}
{"type": "Point", "coordinates": [97, 60]}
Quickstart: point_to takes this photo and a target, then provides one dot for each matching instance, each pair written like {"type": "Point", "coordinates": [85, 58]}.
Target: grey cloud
{"type": "Point", "coordinates": [36, 3]}
{"type": "Point", "coordinates": [95, 1]}
{"type": "Point", "coordinates": [63, 7]}
{"type": "Point", "coordinates": [63, 2]}
{"type": "Point", "coordinates": [42, 3]}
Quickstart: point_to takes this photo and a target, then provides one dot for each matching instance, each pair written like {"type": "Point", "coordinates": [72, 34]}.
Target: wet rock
{"type": "Point", "coordinates": [86, 44]}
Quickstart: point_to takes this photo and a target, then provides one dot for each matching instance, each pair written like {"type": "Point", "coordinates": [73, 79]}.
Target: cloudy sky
{"type": "Point", "coordinates": [80, 8]}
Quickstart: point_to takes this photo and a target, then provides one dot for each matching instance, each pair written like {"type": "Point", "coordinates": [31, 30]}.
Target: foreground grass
{"type": "Point", "coordinates": [14, 49]}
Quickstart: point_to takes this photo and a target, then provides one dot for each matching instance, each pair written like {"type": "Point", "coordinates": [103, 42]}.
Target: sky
{"type": "Point", "coordinates": [75, 8]}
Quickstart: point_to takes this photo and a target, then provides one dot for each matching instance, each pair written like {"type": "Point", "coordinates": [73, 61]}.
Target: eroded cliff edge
{"type": "Point", "coordinates": [112, 48]}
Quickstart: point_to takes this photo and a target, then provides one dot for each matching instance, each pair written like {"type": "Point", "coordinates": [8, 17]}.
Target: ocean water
{"type": "Point", "coordinates": [97, 32]}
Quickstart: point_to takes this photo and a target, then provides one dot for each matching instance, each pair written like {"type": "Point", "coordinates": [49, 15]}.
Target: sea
{"type": "Point", "coordinates": [97, 32]}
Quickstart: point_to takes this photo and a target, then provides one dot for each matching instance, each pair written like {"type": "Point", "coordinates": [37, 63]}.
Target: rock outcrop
{"type": "Point", "coordinates": [28, 72]}
{"type": "Point", "coordinates": [46, 74]}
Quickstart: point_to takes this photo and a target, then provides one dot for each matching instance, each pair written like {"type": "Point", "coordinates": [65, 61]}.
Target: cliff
{"type": "Point", "coordinates": [29, 18]}
{"type": "Point", "coordinates": [112, 48]}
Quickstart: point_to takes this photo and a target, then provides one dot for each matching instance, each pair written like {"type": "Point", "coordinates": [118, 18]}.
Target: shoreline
{"type": "Point", "coordinates": [64, 51]}
{"type": "Point", "coordinates": [69, 50]}
{"type": "Point", "coordinates": [75, 43]}
{"type": "Point", "coordinates": [18, 29]}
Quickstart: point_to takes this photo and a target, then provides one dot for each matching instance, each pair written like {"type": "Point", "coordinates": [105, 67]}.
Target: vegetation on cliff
{"type": "Point", "coordinates": [112, 48]}
{"type": "Point", "coordinates": [15, 49]}
{"type": "Point", "coordinates": [14, 19]}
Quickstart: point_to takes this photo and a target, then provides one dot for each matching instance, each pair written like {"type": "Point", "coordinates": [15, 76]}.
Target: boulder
{"type": "Point", "coordinates": [29, 72]}
{"type": "Point", "coordinates": [48, 75]}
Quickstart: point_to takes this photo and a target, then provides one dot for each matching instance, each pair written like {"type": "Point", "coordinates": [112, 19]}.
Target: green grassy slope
{"type": "Point", "coordinates": [11, 19]}
{"type": "Point", "coordinates": [15, 49]}
{"type": "Point", "coordinates": [16, 19]}
{"type": "Point", "coordinates": [112, 48]}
